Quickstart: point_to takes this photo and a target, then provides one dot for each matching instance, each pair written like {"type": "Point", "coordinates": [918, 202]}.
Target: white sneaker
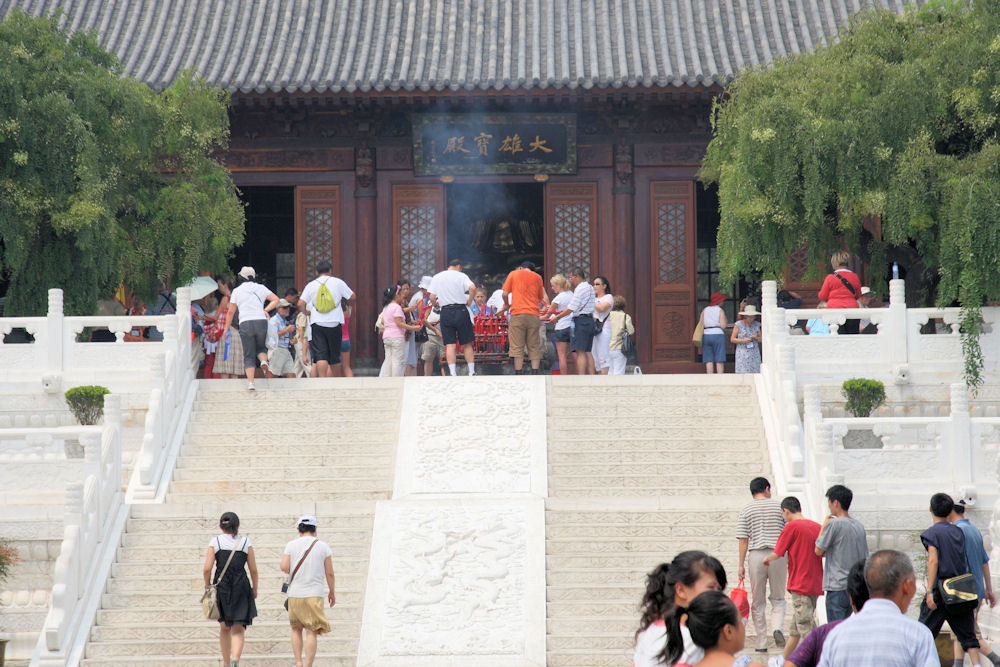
{"type": "Point", "coordinates": [776, 661]}
{"type": "Point", "coordinates": [250, 387]}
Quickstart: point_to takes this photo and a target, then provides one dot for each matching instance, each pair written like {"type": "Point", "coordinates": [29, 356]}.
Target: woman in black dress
{"type": "Point", "coordinates": [235, 593]}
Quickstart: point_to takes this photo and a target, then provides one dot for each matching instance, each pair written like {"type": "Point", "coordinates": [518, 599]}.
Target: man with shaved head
{"type": "Point", "coordinates": [881, 634]}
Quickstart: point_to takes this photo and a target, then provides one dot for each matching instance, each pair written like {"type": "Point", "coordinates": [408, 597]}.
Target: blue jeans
{"type": "Point", "coordinates": [838, 605]}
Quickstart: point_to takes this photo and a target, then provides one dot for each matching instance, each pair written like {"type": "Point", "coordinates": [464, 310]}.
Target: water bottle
{"type": "Point", "coordinates": [895, 270]}
{"type": "Point", "coordinates": [225, 349]}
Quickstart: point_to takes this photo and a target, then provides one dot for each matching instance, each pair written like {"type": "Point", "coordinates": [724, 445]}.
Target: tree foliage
{"type": "Point", "coordinates": [897, 121]}
{"type": "Point", "coordinates": [101, 179]}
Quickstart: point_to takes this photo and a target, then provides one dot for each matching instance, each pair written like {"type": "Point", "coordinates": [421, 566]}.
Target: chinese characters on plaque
{"type": "Point", "coordinates": [494, 144]}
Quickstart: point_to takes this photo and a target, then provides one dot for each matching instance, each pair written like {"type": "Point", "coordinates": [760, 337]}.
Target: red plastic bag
{"type": "Point", "coordinates": [742, 602]}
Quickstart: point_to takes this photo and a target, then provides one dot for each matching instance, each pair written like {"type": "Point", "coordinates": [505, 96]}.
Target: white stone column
{"type": "Point", "coordinates": [958, 443]}
{"type": "Point", "coordinates": [894, 324]}
{"type": "Point", "coordinates": [55, 343]}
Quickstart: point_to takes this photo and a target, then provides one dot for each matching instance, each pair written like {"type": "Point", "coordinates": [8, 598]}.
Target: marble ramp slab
{"type": "Point", "coordinates": [457, 568]}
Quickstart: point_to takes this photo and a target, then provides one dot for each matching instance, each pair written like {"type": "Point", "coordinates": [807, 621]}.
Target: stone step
{"type": "Point", "coordinates": [202, 631]}
{"type": "Point", "coordinates": [625, 626]}
{"type": "Point", "coordinates": [277, 444]}
{"type": "Point", "coordinates": [651, 430]}
{"type": "Point", "coordinates": [152, 648]}
{"type": "Point", "coordinates": [331, 474]}
{"type": "Point", "coordinates": [298, 461]}
{"type": "Point", "coordinates": [318, 412]}
{"type": "Point", "coordinates": [320, 430]}
{"type": "Point", "coordinates": [600, 518]}
{"type": "Point", "coordinates": [643, 442]}
{"type": "Point", "coordinates": [193, 599]}
{"type": "Point", "coordinates": [645, 530]}
{"type": "Point", "coordinates": [268, 393]}
{"type": "Point", "coordinates": [363, 487]}
{"type": "Point", "coordinates": [635, 485]}
{"type": "Point", "coordinates": [322, 658]}
{"type": "Point", "coordinates": [588, 658]}
{"type": "Point", "coordinates": [588, 576]}
{"type": "Point", "coordinates": [224, 500]}
{"type": "Point", "coordinates": [138, 569]}
{"type": "Point", "coordinates": [264, 540]}
{"type": "Point", "coordinates": [609, 641]}
{"type": "Point", "coordinates": [273, 515]}
{"type": "Point", "coordinates": [254, 526]}
{"type": "Point", "coordinates": [649, 544]}
{"type": "Point", "coordinates": [724, 469]}
{"type": "Point", "coordinates": [565, 453]}
{"type": "Point", "coordinates": [348, 582]}
{"type": "Point", "coordinates": [191, 614]}
{"type": "Point", "coordinates": [196, 554]}
{"type": "Point", "coordinates": [595, 592]}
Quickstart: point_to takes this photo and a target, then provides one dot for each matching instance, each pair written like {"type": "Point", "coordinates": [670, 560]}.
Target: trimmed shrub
{"type": "Point", "coordinates": [8, 556]}
{"type": "Point", "coordinates": [863, 396]}
{"type": "Point", "coordinates": [87, 403]}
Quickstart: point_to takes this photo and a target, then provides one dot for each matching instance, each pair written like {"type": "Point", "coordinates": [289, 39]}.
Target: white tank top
{"type": "Point", "coordinates": [711, 320]}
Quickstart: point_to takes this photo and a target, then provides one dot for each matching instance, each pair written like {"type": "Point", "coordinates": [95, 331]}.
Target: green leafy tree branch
{"type": "Point", "coordinates": [101, 179]}
{"type": "Point", "coordinates": [885, 141]}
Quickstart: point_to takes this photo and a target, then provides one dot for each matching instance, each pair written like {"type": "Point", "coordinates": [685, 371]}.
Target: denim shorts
{"type": "Point", "coordinates": [562, 335]}
{"type": "Point", "coordinates": [583, 333]}
{"type": "Point", "coordinates": [713, 348]}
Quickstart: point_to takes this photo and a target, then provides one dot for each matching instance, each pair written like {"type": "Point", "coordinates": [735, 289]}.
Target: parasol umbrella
{"type": "Point", "coordinates": [202, 286]}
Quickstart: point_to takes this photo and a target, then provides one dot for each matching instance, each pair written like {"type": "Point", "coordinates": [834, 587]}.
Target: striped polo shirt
{"type": "Point", "coordinates": [760, 522]}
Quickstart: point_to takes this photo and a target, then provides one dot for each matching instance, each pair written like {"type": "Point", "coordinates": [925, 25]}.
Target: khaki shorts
{"type": "Point", "coordinates": [803, 614]}
{"type": "Point", "coordinates": [280, 362]}
{"type": "Point", "coordinates": [433, 349]}
{"type": "Point", "coordinates": [308, 613]}
{"type": "Point", "coordinates": [523, 331]}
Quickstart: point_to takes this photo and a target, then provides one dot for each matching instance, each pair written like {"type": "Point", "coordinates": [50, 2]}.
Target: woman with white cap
{"type": "Point", "coordinates": [254, 302]}
{"type": "Point", "coordinates": [309, 564]}
{"type": "Point", "coordinates": [746, 336]}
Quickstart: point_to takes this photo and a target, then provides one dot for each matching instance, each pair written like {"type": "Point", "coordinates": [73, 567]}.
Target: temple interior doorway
{"type": "Point", "coordinates": [269, 245]}
{"type": "Point", "coordinates": [493, 227]}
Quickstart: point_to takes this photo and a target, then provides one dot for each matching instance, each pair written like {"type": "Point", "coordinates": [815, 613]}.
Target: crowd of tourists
{"type": "Point", "coordinates": [249, 331]}
{"type": "Point", "coordinates": [688, 621]}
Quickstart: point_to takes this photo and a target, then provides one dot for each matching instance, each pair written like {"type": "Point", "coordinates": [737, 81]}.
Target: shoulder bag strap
{"type": "Point", "coordinates": [229, 560]}
{"type": "Point", "coordinates": [302, 560]}
{"type": "Point", "coordinates": [846, 284]}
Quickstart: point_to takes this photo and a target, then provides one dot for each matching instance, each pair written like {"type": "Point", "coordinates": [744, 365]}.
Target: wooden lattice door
{"type": "Point", "coordinates": [570, 227]}
{"type": "Point", "coordinates": [317, 230]}
{"type": "Point", "coordinates": [418, 224]}
{"type": "Point", "coordinates": [672, 243]}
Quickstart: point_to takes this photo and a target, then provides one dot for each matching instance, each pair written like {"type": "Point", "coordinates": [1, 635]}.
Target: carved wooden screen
{"type": "Point", "coordinates": [672, 243]}
{"type": "Point", "coordinates": [418, 230]}
{"type": "Point", "coordinates": [317, 229]}
{"type": "Point", "coordinates": [570, 225]}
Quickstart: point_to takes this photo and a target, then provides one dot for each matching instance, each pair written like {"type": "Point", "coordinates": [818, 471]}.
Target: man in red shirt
{"type": "Point", "coordinates": [524, 328]}
{"type": "Point", "coordinates": [805, 569]}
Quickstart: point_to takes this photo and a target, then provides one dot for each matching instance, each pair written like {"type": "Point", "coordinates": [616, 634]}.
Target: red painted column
{"type": "Point", "coordinates": [366, 218]}
{"type": "Point", "coordinates": [623, 276]}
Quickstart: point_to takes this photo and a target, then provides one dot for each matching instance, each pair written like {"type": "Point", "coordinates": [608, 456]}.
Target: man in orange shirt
{"type": "Point", "coordinates": [524, 328]}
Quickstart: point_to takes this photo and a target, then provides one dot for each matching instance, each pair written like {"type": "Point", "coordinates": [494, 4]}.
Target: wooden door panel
{"type": "Point", "coordinates": [418, 230]}
{"type": "Point", "coordinates": [317, 230]}
{"type": "Point", "coordinates": [570, 227]}
{"type": "Point", "coordinates": [673, 238]}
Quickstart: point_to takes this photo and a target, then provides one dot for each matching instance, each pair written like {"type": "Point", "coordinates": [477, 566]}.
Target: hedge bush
{"type": "Point", "coordinates": [87, 403]}
{"type": "Point", "coordinates": [863, 396]}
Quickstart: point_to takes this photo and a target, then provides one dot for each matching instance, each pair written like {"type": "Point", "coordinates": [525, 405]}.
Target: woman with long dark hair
{"type": "Point", "coordinates": [669, 587]}
{"type": "Point", "coordinates": [603, 303]}
{"type": "Point", "coordinates": [229, 353]}
{"type": "Point", "coordinates": [232, 555]}
{"type": "Point", "coordinates": [714, 625]}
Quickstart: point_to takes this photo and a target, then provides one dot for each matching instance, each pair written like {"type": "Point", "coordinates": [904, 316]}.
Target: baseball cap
{"type": "Point", "coordinates": [866, 290]}
{"type": "Point", "coordinates": [307, 519]}
{"type": "Point", "coordinates": [247, 272]}
{"type": "Point", "coordinates": [283, 304]}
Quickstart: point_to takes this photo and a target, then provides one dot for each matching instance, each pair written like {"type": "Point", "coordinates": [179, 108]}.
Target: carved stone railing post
{"type": "Point", "coordinates": [773, 320]}
{"type": "Point", "coordinates": [957, 439]}
{"type": "Point", "coordinates": [55, 343]}
{"type": "Point", "coordinates": [895, 324]}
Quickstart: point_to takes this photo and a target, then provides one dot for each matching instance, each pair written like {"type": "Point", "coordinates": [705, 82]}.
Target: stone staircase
{"type": "Point", "coordinates": [638, 471]}
{"type": "Point", "coordinates": [324, 447]}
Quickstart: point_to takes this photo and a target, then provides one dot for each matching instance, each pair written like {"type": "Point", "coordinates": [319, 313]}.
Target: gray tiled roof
{"type": "Point", "coordinates": [362, 46]}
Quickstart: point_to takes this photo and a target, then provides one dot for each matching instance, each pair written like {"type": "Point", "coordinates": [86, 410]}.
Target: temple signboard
{"type": "Point", "coordinates": [514, 143]}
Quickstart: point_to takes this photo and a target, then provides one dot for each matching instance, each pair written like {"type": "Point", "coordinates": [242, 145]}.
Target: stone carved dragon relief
{"type": "Point", "coordinates": [456, 567]}
{"type": "Point", "coordinates": [490, 453]}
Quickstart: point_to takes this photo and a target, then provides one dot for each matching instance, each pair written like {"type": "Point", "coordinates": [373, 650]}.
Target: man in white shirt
{"type": "Point", "coordinates": [581, 309]}
{"type": "Point", "coordinates": [881, 634]}
{"type": "Point", "coordinates": [309, 563]}
{"type": "Point", "coordinates": [327, 327]}
{"type": "Point", "coordinates": [452, 291]}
